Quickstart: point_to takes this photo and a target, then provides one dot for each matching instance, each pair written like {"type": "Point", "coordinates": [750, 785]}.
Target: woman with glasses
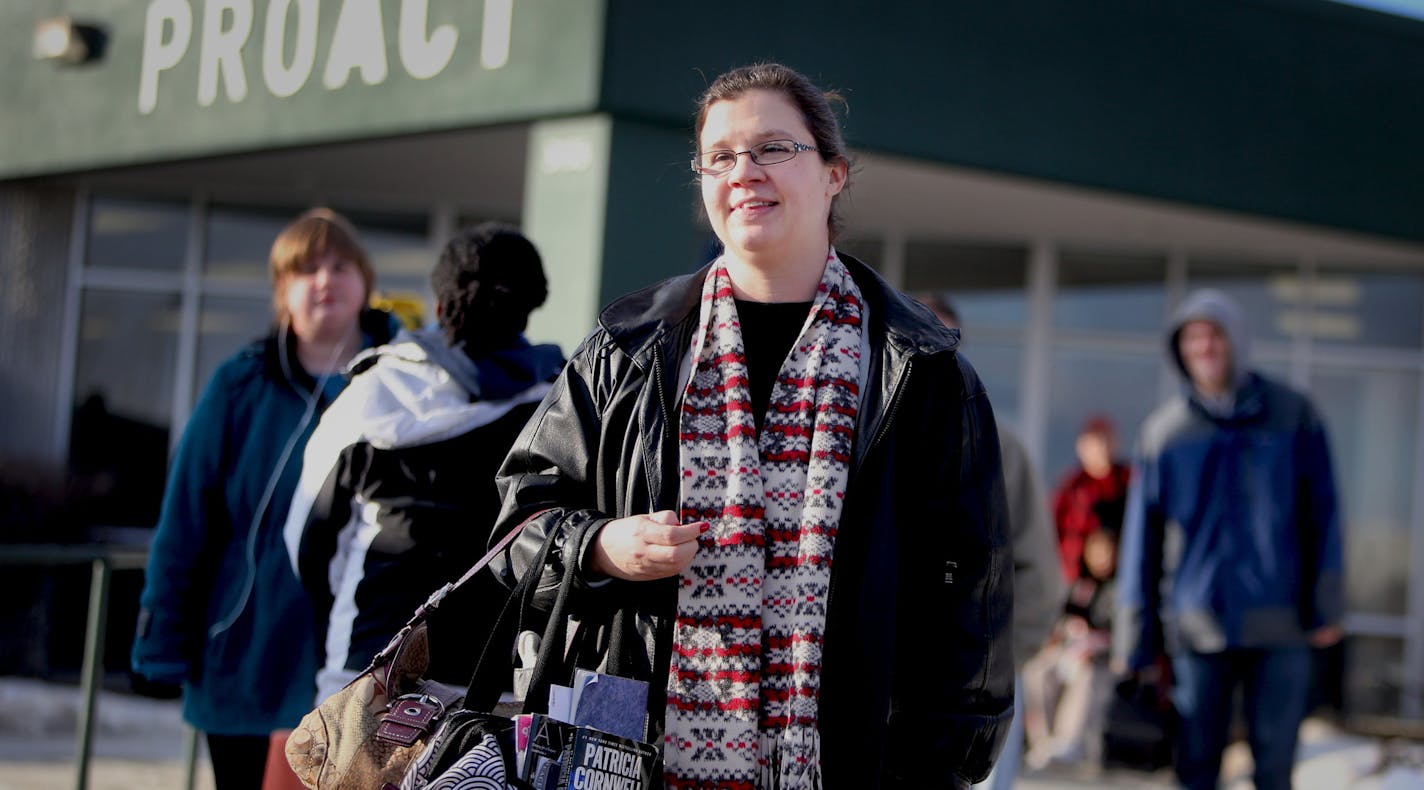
{"type": "Point", "coordinates": [775, 489]}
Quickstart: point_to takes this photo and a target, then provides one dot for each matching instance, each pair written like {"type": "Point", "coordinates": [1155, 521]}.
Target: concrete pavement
{"type": "Point", "coordinates": [137, 743]}
{"type": "Point", "coordinates": [1328, 759]}
{"type": "Point", "coordinates": [141, 743]}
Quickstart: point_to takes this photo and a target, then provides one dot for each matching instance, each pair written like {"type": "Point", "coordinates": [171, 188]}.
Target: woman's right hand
{"type": "Point", "coordinates": [645, 547]}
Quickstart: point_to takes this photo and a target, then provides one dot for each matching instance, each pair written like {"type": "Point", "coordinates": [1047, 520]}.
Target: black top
{"type": "Point", "coordinates": [769, 330]}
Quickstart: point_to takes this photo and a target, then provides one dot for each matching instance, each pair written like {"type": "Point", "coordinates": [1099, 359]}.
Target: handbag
{"type": "Point", "coordinates": [366, 735]}
{"type": "Point", "coordinates": [1140, 727]}
{"type": "Point", "coordinates": [472, 749]}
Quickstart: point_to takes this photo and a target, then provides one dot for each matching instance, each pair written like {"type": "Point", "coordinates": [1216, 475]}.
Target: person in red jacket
{"type": "Point", "coordinates": [1091, 497]}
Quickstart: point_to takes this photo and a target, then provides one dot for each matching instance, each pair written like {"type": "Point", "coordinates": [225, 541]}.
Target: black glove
{"type": "Point", "coordinates": [157, 689]}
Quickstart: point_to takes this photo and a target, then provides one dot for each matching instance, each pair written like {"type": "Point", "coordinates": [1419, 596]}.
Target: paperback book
{"type": "Point", "coordinates": [591, 738]}
{"type": "Point", "coordinates": [600, 761]}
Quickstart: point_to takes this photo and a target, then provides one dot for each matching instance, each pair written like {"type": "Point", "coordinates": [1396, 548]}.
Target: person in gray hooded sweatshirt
{"type": "Point", "coordinates": [397, 493]}
{"type": "Point", "coordinates": [1231, 548]}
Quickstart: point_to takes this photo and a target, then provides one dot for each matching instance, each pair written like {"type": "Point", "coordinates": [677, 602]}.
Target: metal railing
{"type": "Point", "coordinates": [103, 558]}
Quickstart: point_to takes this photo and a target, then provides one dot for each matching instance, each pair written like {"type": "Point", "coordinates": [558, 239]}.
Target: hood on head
{"type": "Point", "coordinates": [1209, 304]}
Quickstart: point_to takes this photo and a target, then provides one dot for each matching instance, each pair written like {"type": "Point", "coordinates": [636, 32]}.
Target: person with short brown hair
{"type": "Point", "coordinates": [315, 233]}
{"type": "Point", "coordinates": [221, 612]}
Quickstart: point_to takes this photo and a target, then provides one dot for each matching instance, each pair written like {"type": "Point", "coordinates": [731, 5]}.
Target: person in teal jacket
{"type": "Point", "coordinates": [221, 611]}
{"type": "Point", "coordinates": [1231, 549]}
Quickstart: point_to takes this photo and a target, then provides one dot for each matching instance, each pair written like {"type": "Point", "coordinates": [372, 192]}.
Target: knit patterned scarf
{"type": "Point", "coordinates": [744, 687]}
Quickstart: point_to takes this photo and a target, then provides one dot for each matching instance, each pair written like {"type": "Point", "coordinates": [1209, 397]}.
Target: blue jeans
{"type": "Point", "coordinates": [1276, 685]}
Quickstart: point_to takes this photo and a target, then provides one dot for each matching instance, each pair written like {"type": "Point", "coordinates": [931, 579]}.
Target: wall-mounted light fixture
{"type": "Point", "coordinates": [62, 40]}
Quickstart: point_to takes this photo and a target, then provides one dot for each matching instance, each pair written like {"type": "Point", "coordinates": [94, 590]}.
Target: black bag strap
{"type": "Point", "coordinates": [555, 659]}
{"type": "Point", "coordinates": [491, 673]}
{"type": "Point", "coordinates": [431, 603]}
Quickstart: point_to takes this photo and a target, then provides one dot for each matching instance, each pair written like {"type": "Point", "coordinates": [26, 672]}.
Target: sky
{"type": "Point", "coordinates": [1409, 8]}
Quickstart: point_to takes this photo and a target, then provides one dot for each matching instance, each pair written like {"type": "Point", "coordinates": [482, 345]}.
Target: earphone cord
{"type": "Point", "coordinates": [312, 399]}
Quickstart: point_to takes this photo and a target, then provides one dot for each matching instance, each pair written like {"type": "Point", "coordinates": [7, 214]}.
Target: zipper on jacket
{"type": "Point", "coordinates": [668, 436]}
{"type": "Point", "coordinates": [313, 399]}
{"type": "Point", "coordinates": [890, 410]}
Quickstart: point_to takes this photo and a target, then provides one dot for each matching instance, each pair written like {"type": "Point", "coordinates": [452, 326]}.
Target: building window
{"type": "Point", "coordinates": [135, 354]}
{"type": "Point", "coordinates": [1120, 385]}
{"type": "Point", "coordinates": [1110, 292]}
{"type": "Point", "coordinates": [987, 286]}
{"type": "Point", "coordinates": [1271, 295]}
{"type": "Point", "coordinates": [1371, 418]}
{"type": "Point", "coordinates": [123, 398]}
{"type": "Point", "coordinates": [985, 282]}
{"type": "Point", "coordinates": [403, 254]}
{"type": "Point", "coordinates": [1354, 307]}
{"type": "Point", "coordinates": [1106, 348]}
{"type": "Point", "coordinates": [136, 234]}
{"type": "Point", "coordinates": [227, 323]}
{"type": "Point", "coordinates": [239, 239]}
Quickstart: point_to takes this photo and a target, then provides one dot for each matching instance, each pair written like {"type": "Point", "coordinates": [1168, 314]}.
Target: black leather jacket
{"type": "Point", "coordinates": [917, 677]}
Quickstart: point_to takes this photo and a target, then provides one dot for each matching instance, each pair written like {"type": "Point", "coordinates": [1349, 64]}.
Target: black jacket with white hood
{"type": "Point", "coordinates": [397, 492]}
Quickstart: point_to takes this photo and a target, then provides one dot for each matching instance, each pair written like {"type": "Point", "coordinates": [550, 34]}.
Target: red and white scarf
{"type": "Point", "coordinates": [744, 688]}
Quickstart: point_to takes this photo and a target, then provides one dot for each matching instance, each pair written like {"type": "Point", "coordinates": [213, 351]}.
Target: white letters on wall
{"type": "Point", "coordinates": [222, 50]}
{"type": "Point", "coordinates": [359, 42]}
{"type": "Point", "coordinates": [423, 57]}
{"type": "Point", "coordinates": [160, 54]}
{"type": "Point", "coordinates": [494, 38]}
{"type": "Point", "coordinates": [283, 80]}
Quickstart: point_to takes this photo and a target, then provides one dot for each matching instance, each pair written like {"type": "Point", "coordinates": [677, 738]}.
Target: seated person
{"type": "Point", "coordinates": [1068, 684]}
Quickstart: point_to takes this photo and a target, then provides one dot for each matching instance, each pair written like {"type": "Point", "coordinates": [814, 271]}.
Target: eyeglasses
{"type": "Point", "coordinates": [771, 152]}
